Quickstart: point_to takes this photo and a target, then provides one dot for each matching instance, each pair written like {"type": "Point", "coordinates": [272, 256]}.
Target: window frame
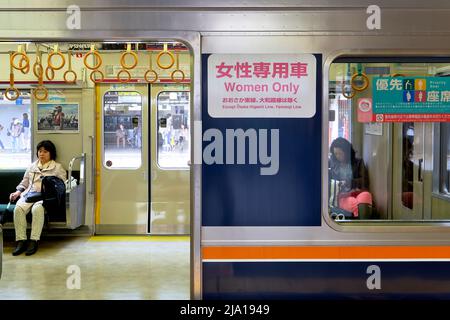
{"type": "Point", "coordinates": [375, 226]}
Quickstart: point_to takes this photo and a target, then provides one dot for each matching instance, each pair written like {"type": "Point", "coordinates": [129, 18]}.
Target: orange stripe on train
{"type": "Point", "coordinates": [321, 252]}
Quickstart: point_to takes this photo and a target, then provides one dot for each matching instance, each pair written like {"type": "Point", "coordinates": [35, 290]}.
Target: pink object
{"type": "Point", "coordinates": [349, 201]}
{"type": "Point", "coordinates": [365, 110]}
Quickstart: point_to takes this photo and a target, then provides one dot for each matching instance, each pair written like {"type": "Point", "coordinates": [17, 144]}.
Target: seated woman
{"type": "Point", "coordinates": [44, 166]}
{"type": "Point", "coordinates": [351, 174]}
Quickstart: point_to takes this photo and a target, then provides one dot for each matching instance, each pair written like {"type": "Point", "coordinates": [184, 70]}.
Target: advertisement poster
{"type": "Point", "coordinates": [57, 117]}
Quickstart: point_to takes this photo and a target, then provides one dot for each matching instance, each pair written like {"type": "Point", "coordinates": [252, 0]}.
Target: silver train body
{"type": "Point", "coordinates": [278, 244]}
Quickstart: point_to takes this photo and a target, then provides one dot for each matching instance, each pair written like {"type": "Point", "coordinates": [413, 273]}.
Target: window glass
{"type": "Point", "coordinates": [385, 170]}
{"type": "Point", "coordinates": [173, 129]}
{"type": "Point", "coordinates": [122, 118]}
{"type": "Point", "coordinates": [15, 132]}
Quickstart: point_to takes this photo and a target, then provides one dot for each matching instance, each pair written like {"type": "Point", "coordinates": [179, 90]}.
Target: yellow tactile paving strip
{"type": "Point", "coordinates": [139, 238]}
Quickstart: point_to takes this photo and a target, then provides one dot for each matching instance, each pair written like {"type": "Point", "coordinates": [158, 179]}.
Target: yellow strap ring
{"type": "Point", "coordinates": [16, 94]}
{"type": "Point", "coordinates": [23, 57]}
{"type": "Point", "coordinates": [24, 70]}
{"type": "Point", "coordinates": [40, 93]}
{"type": "Point", "coordinates": [155, 76]}
{"type": "Point", "coordinates": [348, 96]}
{"type": "Point", "coordinates": [38, 70]}
{"type": "Point", "coordinates": [167, 66]}
{"type": "Point", "coordinates": [92, 76]}
{"type": "Point", "coordinates": [66, 76]}
{"type": "Point", "coordinates": [127, 79]}
{"type": "Point", "coordinates": [177, 79]}
{"type": "Point", "coordinates": [365, 84]}
{"type": "Point", "coordinates": [50, 73]}
{"type": "Point", "coordinates": [99, 60]}
{"type": "Point", "coordinates": [49, 60]}
{"type": "Point", "coordinates": [123, 57]}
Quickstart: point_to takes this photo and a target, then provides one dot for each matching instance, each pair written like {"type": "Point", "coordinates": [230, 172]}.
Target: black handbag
{"type": "Point", "coordinates": [32, 197]}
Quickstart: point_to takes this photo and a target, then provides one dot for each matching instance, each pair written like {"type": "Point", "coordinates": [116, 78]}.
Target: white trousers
{"type": "Point", "coordinates": [20, 221]}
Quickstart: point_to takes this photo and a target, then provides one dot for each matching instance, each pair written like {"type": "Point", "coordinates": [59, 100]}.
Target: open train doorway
{"type": "Point", "coordinates": [143, 143]}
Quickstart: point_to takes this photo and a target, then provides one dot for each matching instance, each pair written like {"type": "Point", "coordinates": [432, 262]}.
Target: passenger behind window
{"type": "Point", "coordinates": [31, 184]}
{"type": "Point", "coordinates": [349, 181]}
{"type": "Point", "coordinates": [121, 135]}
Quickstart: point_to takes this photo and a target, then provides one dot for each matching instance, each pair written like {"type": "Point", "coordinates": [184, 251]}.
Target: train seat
{"type": "Point", "coordinates": [75, 199]}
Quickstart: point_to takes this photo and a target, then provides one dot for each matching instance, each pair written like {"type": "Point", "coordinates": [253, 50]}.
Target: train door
{"type": "Point", "coordinates": [122, 161]}
{"type": "Point", "coordinates": [170, 167]}
{"type": "Point", "coordinates": [410, 157]}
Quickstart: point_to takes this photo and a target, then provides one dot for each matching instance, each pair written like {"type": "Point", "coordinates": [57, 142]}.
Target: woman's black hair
{"type": "Point", "coordinates": [49, 146]}
{"type": "Point", "coordinates": [345, 146]}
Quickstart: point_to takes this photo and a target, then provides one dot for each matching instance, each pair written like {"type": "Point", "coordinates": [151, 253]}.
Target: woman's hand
{"type": "Point", "coordinates": [13, 196]}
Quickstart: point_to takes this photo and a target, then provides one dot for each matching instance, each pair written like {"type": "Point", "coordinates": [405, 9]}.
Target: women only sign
{"type": "Point", "coordinates": [261, 86]}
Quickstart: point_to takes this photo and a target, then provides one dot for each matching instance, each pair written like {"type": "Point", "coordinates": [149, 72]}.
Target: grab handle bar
{"type": "Point", "coordinates": [93, 167]}
{"type": "Point", "coordinates": [82, 171]}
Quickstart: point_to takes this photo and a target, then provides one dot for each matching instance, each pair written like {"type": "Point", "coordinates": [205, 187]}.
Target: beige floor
{"type": "Point", "coordinates": [150, 268]}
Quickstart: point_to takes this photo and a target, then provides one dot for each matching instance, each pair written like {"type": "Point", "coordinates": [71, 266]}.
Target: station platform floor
{"type": "Point", "coordinates": [110, 267]}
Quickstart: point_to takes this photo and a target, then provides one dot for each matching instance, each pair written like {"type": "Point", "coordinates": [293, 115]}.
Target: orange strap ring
{"type": "Point", "coordinates": [348, 96]}
{"type": "Point", "coordinates": [49, 60]}
{"type": "Point", "coordinates": [162, 53]}
{"type": "Point", "coordinates": [150, 71]}
{"type": "Point", "coordinates": [23, 57]}
{"type": "Point", "coordinates": [69, 70]}
{"type": "Point", "coordinates": [155, 76]}
{"type": "Point", "coordinates": [97, 55]}
{"type": "Point", "coordinates": [40, 93]}
{"type": "Point", "coordinates": [178, 70]}
{"type": "Point", "coordinates": [365, 83]}
{"type": "Point", "coordinates": [24, 70]}
{"type": "Point", "coordinates": [38, 70]}
{"type": "Point", "coordinates": [50, 73]}
{"type": "Point", "coordinates": [92, 76]}
{"type": "Point", "coordinates": [124, 80]}
{"type": "Point", "coordinates": [123, 57]}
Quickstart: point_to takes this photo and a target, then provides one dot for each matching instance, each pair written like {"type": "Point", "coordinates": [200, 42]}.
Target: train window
{"type": "Point", "coordinates": [173, 129]}
{"type": "Point", "coordinates": [122, 130]}
{"type": "Point", "coordinates": [15, 132]}
{"type": "Point", "coordinates": [387, 165]}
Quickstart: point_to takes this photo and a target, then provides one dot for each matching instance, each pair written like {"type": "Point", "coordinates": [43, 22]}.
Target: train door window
{"type": "Point", "coordinates": [173, 129]}
{"type": "Point", "coordinates": [122, 131]}
{"type": "Point", "coordinates": [15, 132]}
{"type": "Point", "coordinates": [388, 166]}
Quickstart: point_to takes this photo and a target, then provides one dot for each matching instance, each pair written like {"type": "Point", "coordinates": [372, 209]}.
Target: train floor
{"type": "Point", "coordinates": [105, 267]}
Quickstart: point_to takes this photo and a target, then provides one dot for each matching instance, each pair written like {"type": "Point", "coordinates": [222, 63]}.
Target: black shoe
{"type": "Point", "coordinates": [33, 248]}
{"type": "Point", "coordinates": [20, 248]}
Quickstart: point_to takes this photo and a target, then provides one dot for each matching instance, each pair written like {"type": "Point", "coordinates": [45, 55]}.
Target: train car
{"type": "Point", "coordinates": [303, 146]}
